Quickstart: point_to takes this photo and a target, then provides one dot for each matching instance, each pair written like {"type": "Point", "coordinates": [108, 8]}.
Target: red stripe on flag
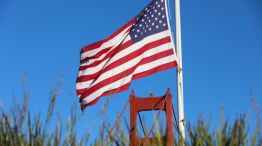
{"type": "Point", "coordinates": [154, 70]}
{"type": "Point", "coordinates": [120, 89]}
{"type": "Point", "coordinates": [96, 55]}
{"type": "Point", "coordinates": [99, 43]}
{"type": "Point", "coordinates": [115, 51]}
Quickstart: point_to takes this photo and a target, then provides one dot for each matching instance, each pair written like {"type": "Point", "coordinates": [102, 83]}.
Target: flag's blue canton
{"type": "Point", "coordinates": [150, 21]}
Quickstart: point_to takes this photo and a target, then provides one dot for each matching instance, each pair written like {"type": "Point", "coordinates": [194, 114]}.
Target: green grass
{"type": "Point", "coordinates": [19, 127]}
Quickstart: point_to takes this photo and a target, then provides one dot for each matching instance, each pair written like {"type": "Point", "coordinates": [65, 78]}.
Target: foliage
{"type": "Point", "coordinates": [19, 127]}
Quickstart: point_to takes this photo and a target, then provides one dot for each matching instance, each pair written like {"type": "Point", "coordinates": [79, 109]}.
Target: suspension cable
{"type": "Point", "coordinates": [174, 114]}
{"type": "Point", "coordinates": [116, 122]}
{"type": "Point", "coordinates": [144, 131]}
{"type": "Point", "coordinates": [158, 114]}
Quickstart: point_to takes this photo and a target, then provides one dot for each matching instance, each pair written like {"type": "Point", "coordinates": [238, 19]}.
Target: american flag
{"type": "Point", "coordinates": [141, 47]}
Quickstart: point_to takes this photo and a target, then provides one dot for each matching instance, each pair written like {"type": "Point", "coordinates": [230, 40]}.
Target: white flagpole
{"type": "Point", "coordinates": [180, 98]}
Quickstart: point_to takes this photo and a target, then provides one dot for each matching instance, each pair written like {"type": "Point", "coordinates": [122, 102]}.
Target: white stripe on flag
{"type": "Point", "coordinates": [128, 38]}
{"type": "Point", "coordinates": [105, 45]}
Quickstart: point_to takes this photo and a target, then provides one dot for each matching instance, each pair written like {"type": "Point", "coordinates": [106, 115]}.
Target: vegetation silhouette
{"type": "Point", "coordinates": [19, 127]}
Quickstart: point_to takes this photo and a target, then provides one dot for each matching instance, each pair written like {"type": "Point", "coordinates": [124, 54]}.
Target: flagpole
{"type": "Point", "coordinates": [180, 98]}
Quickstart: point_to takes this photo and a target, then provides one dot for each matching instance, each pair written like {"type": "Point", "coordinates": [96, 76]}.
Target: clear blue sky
{"type": "Point", "coordinates": [221, 42]}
